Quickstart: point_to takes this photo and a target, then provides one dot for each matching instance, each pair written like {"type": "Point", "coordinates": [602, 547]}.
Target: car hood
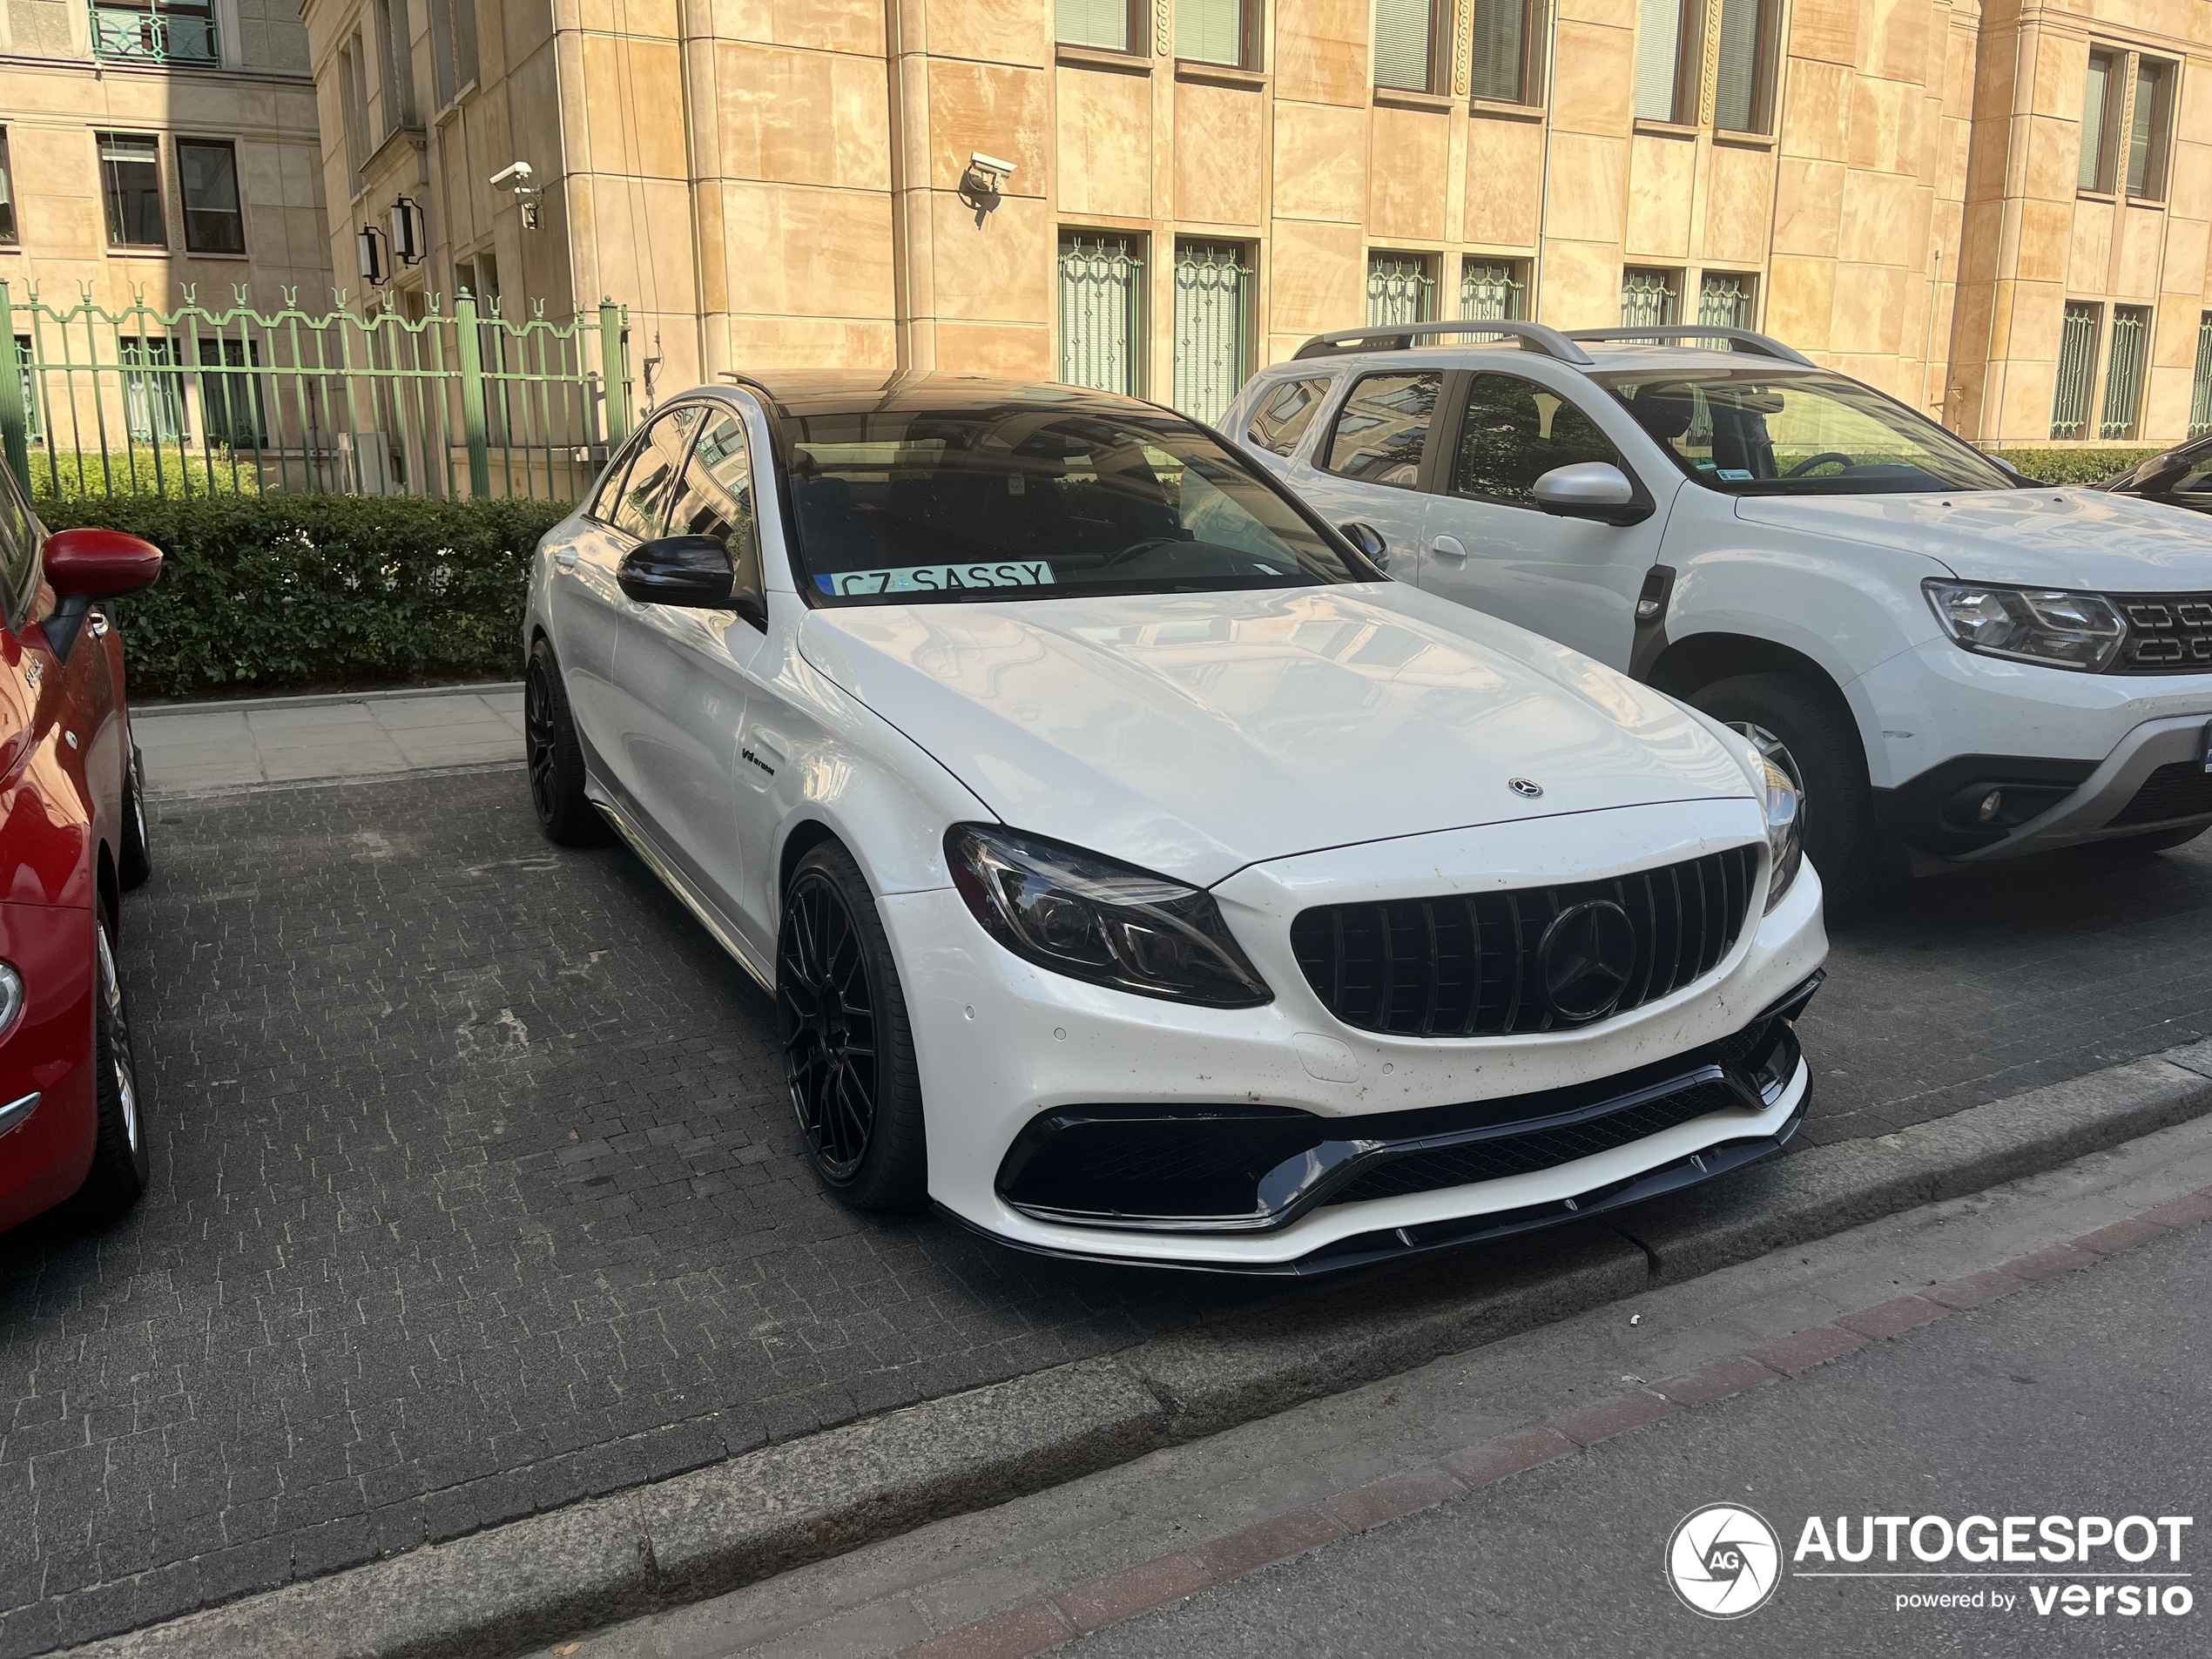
{"type": "Point", "coordinates": [2060, 538]}
{"type": "Point", "coordinates": [1193, 734]}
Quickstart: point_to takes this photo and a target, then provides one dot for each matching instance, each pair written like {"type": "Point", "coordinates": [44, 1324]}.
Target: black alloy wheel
{"type": "Point", "coordinates": [848, 1055]}
{"type": "Point", "coordinates": [555, 759]}
{"type": "Point", "coordinates": [122, 1162]}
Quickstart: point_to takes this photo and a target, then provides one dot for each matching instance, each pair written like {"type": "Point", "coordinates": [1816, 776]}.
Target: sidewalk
{"type": "Point", "coordinates": [287, 739]}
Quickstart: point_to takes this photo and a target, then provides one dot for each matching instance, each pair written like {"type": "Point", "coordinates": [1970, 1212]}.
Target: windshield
{"type": "Point", "coordinates": [1754, 433]}
{"type": "Point", "coordinates": [1012, 501]}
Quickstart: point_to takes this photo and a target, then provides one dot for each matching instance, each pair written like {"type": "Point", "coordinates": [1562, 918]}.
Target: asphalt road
{"type": "Point", "coordinates": [475, 1193]}
{"type": "Point", "coordinates": [2085, 1395]}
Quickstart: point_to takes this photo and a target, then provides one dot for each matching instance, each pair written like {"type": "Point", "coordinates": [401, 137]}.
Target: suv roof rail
{"type": "Point", "coordinates": [1741, 339]}
{"type": "Point", "coordinates": [1530, 336]}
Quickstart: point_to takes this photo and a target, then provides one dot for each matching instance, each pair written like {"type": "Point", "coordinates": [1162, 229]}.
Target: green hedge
{"type": "Point", "coordinates": [2075, 466]}
{"type": "Point", "coordinates": [261, 593]}
{"type": "Point", "coordinates": [142, 471]}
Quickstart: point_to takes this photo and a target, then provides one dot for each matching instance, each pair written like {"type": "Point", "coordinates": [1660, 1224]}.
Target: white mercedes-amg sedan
{"type": "Point", "coordinates": [1138, 872]}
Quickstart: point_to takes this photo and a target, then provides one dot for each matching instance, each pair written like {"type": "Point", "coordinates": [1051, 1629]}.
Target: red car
{"type": "Point", "coordinates": [72, 836]}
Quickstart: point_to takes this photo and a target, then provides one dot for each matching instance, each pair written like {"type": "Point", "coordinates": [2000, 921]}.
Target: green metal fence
{"type": "Point", "coordinates": [201, 400]}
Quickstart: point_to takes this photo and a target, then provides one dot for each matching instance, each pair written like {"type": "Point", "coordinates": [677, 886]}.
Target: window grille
{"type": "Point", "coordinates": [1650, 299]}
{"type": "Point", "coordinates": [1213, 293]}
{"type": "Point", "coordinates": [2077, 362]}
{"type": "Point", "coordinates": [2124, 359]}
{"type": "Point", "coordinates": [2201, 388]}
{"type": "Point", "coordinates": [1101, 292]}
{"type": "Point", "coordinates": [1400, 289]}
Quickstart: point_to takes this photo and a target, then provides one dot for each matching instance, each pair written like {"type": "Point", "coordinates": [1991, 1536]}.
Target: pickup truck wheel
{"type": "Point", "coordinates": [1814, 745]}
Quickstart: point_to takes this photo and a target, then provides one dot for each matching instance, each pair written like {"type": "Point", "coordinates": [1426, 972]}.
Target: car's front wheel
{"type": "Point", "coordinates": [848, 1052]}
{"type": "Point", "coordinates": [121, 1161]}
{"type": "Point", "coordinates": [1816, 746]}
{"type": "Point", "coordinates": [555, 759]}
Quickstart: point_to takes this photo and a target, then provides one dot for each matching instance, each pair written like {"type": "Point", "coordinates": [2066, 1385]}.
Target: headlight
{"type": "Point", "coordinates": [1785, 844]}
{"type": "Point", "coordinates": [1084, 916]}
{"type": "Point", "coordinates": [2082, 630]}
{"type": "Point", "coordinates": [10, 995]}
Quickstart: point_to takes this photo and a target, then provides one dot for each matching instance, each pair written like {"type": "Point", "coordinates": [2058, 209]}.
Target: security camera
{"type": "Point", "coordinates": [1001, 170]}
{"type": "Point", "coordinates": [517, 175]}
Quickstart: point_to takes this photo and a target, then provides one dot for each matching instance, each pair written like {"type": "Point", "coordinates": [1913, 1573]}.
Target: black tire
{"type": "Point", "coordinates": [122, 1162]}
{"type": "Point", "coordinates": [134, 861]}
{"type": "Point", "coordinates": [555, 759]}
{"type": "Point", "coordinates": [1813, 740]}
{"type": "Point", "coordinates": [2163, 841]}
{"type": "Point", "coordinates": [848, 1051]}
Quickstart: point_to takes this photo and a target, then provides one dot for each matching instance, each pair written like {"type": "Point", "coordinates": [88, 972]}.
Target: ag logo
{"type": "Point", "coordinates": [1724, 1562]}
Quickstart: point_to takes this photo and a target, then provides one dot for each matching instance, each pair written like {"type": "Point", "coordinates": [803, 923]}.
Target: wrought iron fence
{"type": "Point", "coordinates": [204, 401]}
{"type": "Point", "coordinates": [1650, 299]}
{"type": "Point", "coordinates": [2077, 361]}
{"type": "Point", "coordinates": [1724, 302]}
{"type": "Point", "coordinates": [1213, 311]}
{"type": "Point", "coordinates": [2201, 386]}
{"type": "Point", "coordinates": [1102, 310]}
{"type": "Point", "coordinates": [2124, 358]}
{"type": "Point", "coordinates": [1400, 289]}
{"type": "Point", "coordinates": [152, 34]}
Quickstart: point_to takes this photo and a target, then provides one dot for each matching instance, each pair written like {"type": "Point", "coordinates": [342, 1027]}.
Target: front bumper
{"type": "Point", "coordinates": [1004, 1045]}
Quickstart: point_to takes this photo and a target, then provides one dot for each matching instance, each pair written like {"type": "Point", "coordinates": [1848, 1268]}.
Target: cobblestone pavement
{"type": "Point", "coordinates": [475, 1193]}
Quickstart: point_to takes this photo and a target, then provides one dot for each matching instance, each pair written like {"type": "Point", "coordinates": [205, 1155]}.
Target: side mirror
{"type": "Point", "coordinates": [691, 571]}
{"type": "Point", "coordinates": [91, 564]}
{"type": "Point", "coordinates": [1594, 489]}
{"type": "Point", "coordinates": [1370, 543]}
{"type": "Point", "coordinates": [2156, 478]}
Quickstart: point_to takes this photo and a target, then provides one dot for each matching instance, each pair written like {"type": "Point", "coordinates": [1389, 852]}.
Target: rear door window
{"type": "Point", "coordinates": [652, 476]}
{"type": "Point", "coordinates": [1515, 432]}
{"type": "Point", "coordinates": [1283, 414]}
{"type": "Point", "coordinates": [1383, 432]}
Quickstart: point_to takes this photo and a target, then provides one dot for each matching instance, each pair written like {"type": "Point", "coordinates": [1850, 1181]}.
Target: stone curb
{"type": "Point", "coordinates": [517, 1587]}
{"type": "Point", "coordinates": [319, 700]}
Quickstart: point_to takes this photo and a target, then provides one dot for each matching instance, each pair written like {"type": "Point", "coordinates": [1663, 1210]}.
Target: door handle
{"type": "Point", "coordinates": [1447, 547]}
{"type": "Point", "coordinates": [565, 558]}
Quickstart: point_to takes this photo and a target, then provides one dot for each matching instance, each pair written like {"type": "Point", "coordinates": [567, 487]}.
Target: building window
{"type": "Point", "coordinates": [1104, 25]}
{"type": "Point", "coordinates": [8, 233]}
{"type": "Point", "coordinates": [207, 176]}
{"type": "Point", "coordinates": [131, 180]}
{"type": "Point", "coordinates": [1401, 288]}
{"type": "Point", "coordinates": [2100, 120]}
{"type": "Point", "coordinates": [1102, 313]}
{"type": "Point", "coordinates": [1743, 89]}
{"type": "Point", "coordinates": [1509, 51]}
{"type": "Point", "coordinates": [230, 393]}
{"type": "Point", "coordinates": [25, 363]}
{"type": "Point", "coordinates": [1650, 299]}
{"type": "Point", "coordinates": [2150, 130]}
{"type": "Point", "coordinates": [453, 47]}
{"type": "Point", "coordinates": [1493, 287]}
{"type": "Point", "coordinates": [1213, 311]}
{"type": "Point", "coordinates": [153, 389]}
{"type": "Point", "coordinates": [2124, 358]}
{"type": "Point", "coordinates": [1214, 31]}
{"type": "Point", "coordinates": [1406, 47]}
{"type": "Point", "coordinates": [1724, 299]}
{"type": "Point", "coordinates": [2201, 388]}
{"type": "Point", "coordinates": [2077, 368]}
{"type": "Point", "coordinates": [394, 62]}
{"type": "Point", "coordinates": [156, 32]}
{"type": "Point", "coordinates": [1670, 58]}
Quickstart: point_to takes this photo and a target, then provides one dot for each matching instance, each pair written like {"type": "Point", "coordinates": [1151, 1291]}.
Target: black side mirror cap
{"type": "Point", "coordinates": [690, 571]}
{"type": "Point", "coordinates": [1369, 541]}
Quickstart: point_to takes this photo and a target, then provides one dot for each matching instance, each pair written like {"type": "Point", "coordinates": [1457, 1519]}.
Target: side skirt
{"type": "Point", "coordinates": [708, 915]}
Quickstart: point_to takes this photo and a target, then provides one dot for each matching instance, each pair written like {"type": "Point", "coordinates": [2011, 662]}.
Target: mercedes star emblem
{"type": "Point", "coordinates": [1585, 959]}
{"type": "Point", "coordinates": [1527, 787]}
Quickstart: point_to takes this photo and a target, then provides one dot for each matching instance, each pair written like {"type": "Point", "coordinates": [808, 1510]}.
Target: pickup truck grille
{"type": "Point", "coordinates": [2168, 633]}
{"type": "Point", "coordinates": [1470, 965]}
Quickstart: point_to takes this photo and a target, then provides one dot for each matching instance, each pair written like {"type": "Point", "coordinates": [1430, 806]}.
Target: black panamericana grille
{"type": "Point", "coordinates": [2168, 633]}
{"type": "Point", "coordinates": [1465, 965]}
{"type": "Point", "coordinates": [2182, 789]}
{"type": "Point", "coordinates": [1542, 1148]}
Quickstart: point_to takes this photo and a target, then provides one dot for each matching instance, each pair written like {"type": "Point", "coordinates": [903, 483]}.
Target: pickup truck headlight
{"type": "Point", "coordinates": [1786, 843]}
{"type": "Point", "coordinates": [2077, 630]}
{"type": "Point", "coordinates": [1092, 919]}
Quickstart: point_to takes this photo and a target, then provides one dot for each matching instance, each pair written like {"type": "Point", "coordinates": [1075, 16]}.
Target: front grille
{"type": "Point", "coordinates": [2182, 789]}
{"type": "Point", "coordinates": [1542, 1148]}
{"type": "Point", "coordinates": [2168, 633]}
{"type": "Point", "coordinates": [1467, 966]}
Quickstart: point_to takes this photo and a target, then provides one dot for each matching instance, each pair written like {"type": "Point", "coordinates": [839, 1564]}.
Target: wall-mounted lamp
{"type": "Point", "coordinates": [515, 176]}
{"type": "Point", "coordinates": [407, 230]}
{"type": "Point", "coordinates": [982, 182]}
{"type": "Point", "coordinates": [374, 271]}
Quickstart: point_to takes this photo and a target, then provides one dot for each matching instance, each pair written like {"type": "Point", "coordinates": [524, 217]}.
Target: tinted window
{"type": "Point", "coordinates": [1383, 430]}
{"type": "Point", "coordinates": [1016, 500]}
{"type": "Point", "coordinates": [1516, 431]}
{"type": "Point", "coordinates": [716, 497]}
{"type": "Point", "coordinates": [652, 475]}
{"type": "Point", "coordinates": [1283, 416]}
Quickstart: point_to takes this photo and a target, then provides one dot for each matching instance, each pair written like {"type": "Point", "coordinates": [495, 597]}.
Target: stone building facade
{"type": "Point", "coordinates": [1901, 188]}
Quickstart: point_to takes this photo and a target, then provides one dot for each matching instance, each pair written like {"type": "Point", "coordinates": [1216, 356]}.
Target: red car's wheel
{"type": "Point", "coordinates": [121, 1164]}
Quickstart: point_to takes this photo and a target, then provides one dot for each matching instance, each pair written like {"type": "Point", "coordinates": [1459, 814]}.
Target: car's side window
{"type": "Point", "coordinates": [1285, 414]}
{"type": "Point", "coordinates": [1383, 431]}
{"type": "Point", "coordinates": [1516, 432]}
{"type": "Point", "coordinates": [716, 498]}
{"type": "Point", "coordinates": [652, 475]}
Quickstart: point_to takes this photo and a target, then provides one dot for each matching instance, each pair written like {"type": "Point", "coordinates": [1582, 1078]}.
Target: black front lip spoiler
{"type": "Point", "coordinates": [1362, 1250]}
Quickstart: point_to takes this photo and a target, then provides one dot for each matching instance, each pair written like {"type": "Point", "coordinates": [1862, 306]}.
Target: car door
{"type": "Point", "coordinates": [56, 698]}
{"type": "Point", "coordinates": [1490, 546]}
{"type": "Point", "coordinates": [686, 674]}
{"type": "Point", "coordinates": [587, 606]}
{"type": "Point", "coordinates": [1373, 464]}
